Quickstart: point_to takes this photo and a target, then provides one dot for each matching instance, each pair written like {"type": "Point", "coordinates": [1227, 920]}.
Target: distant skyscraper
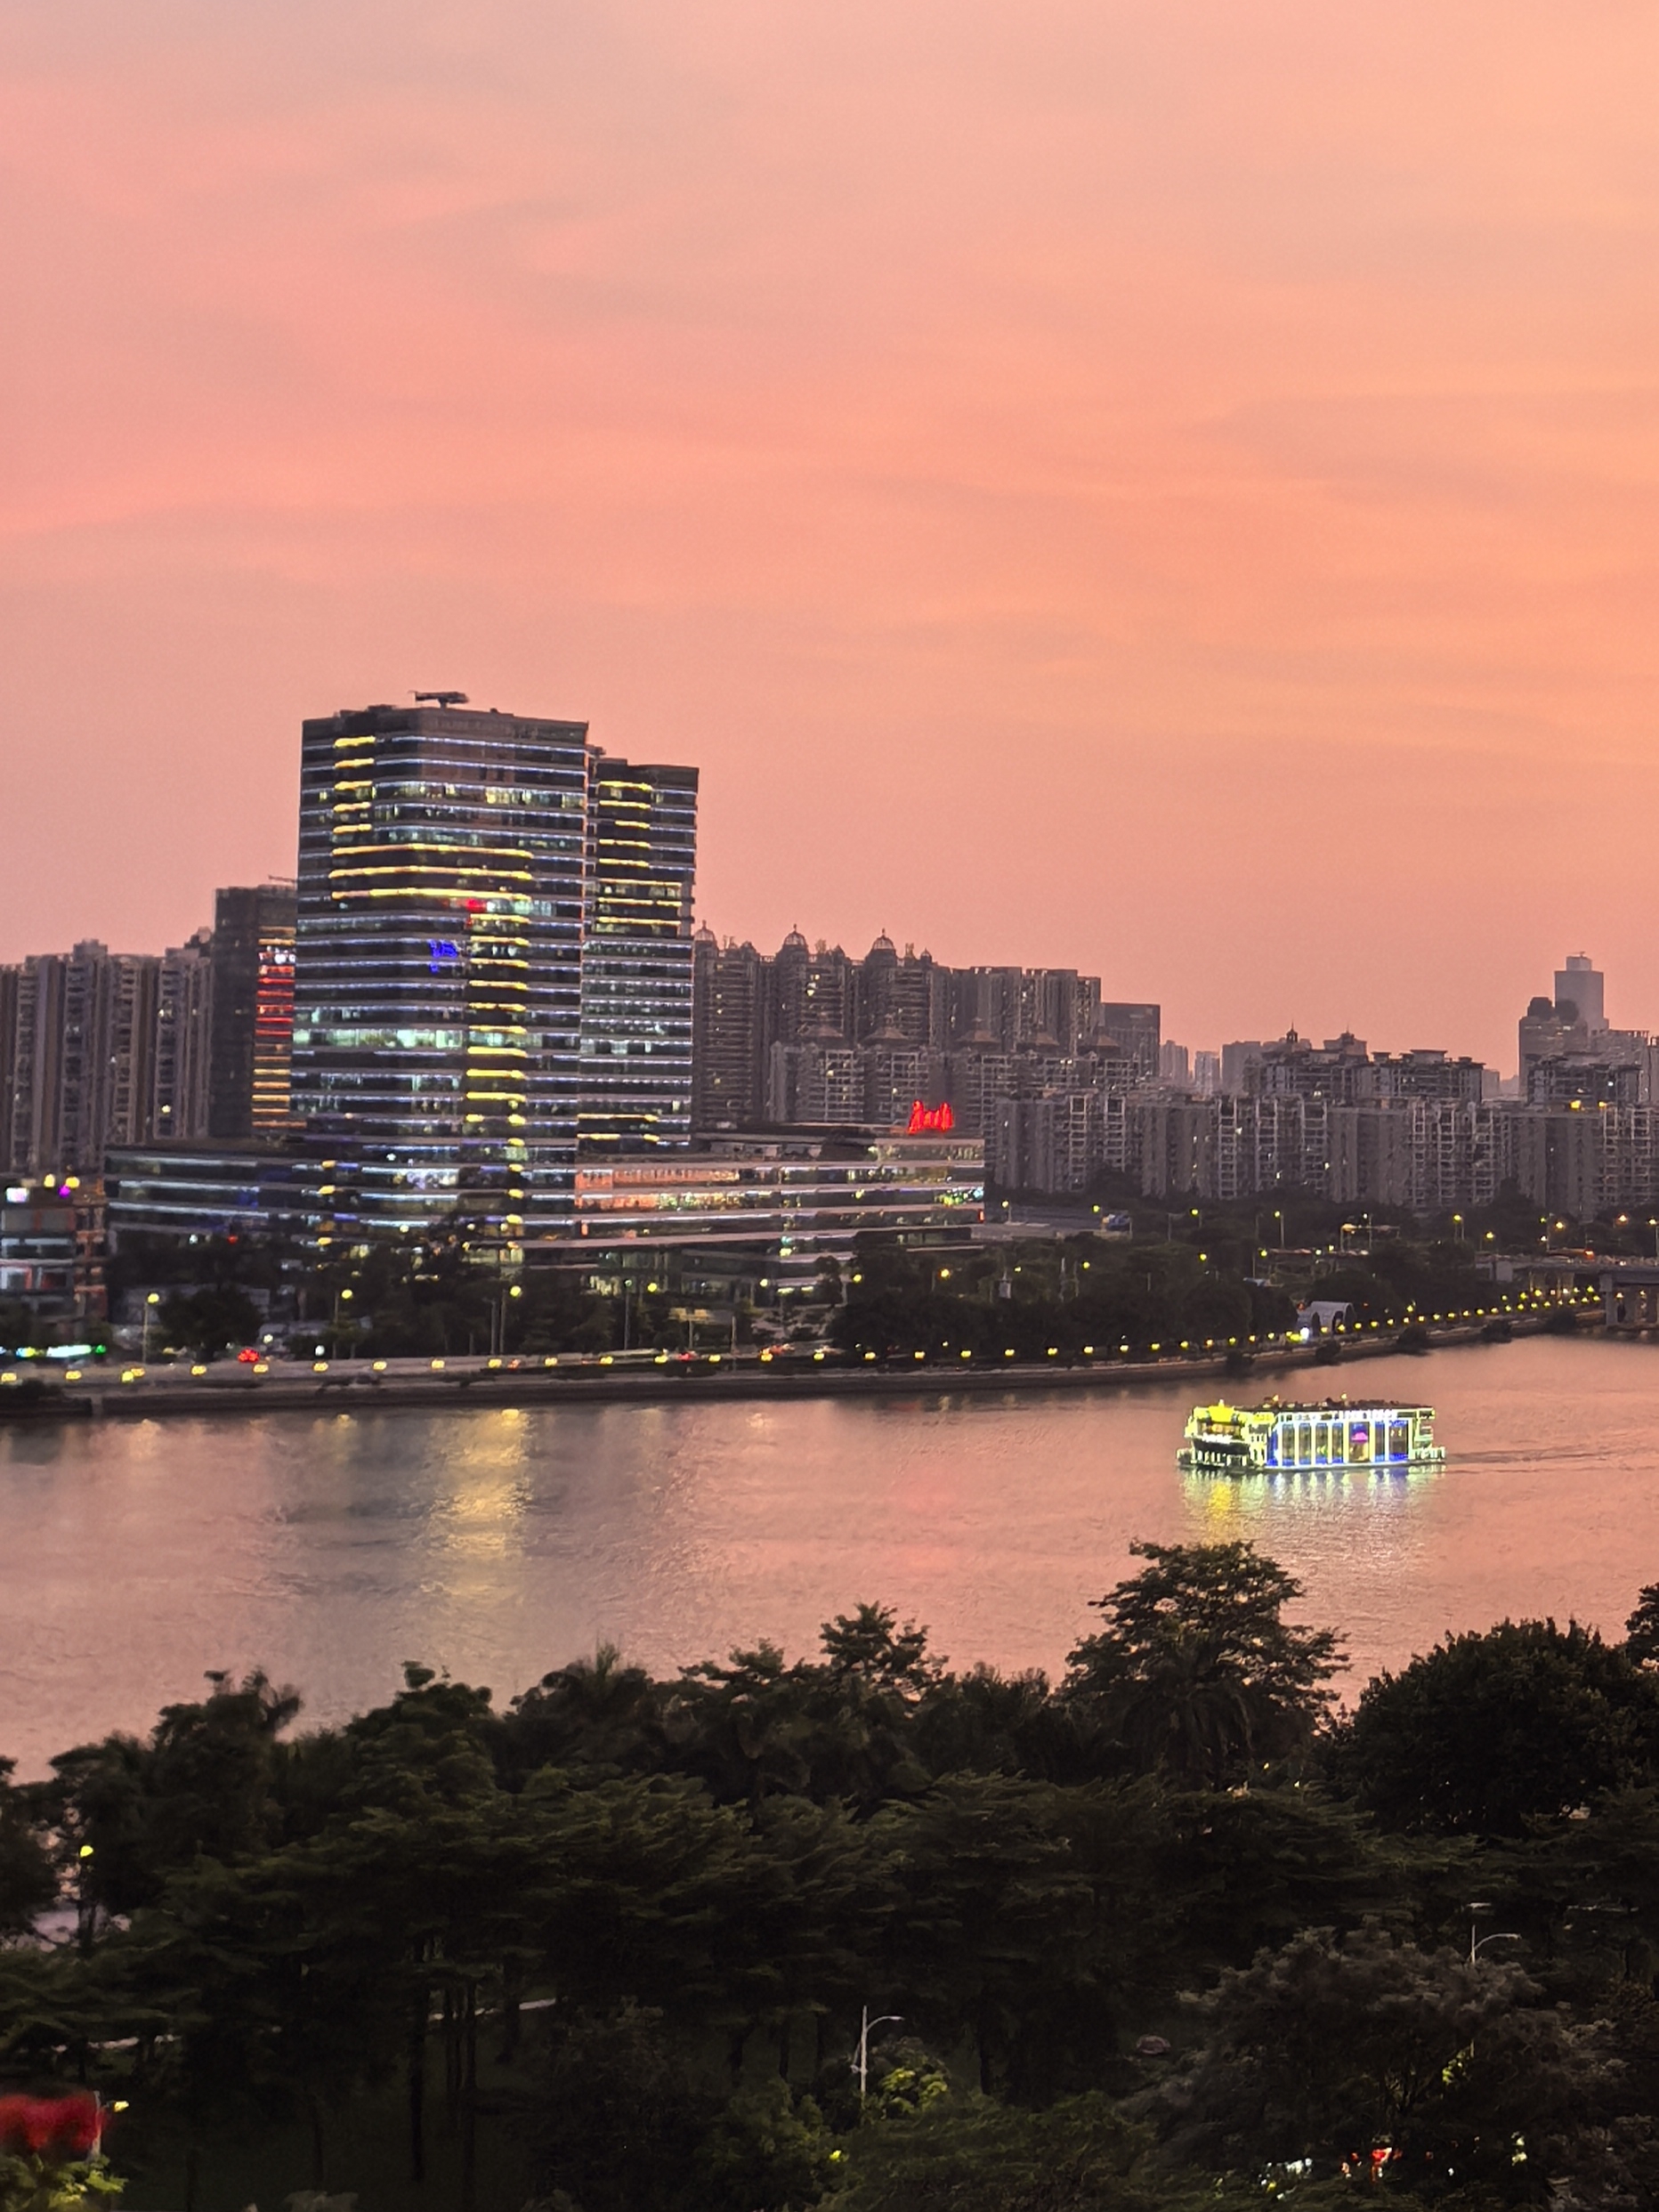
{"type": "Point", "coordinates": [253, 1012]}
{"type": "Point", "coordinates": [637, 962]}
{"type": "Point", "coordinates": [442, 897]}
{"type": "Point", "coordinates": [1138, 1028]}
{"type": "Point", "coordinates": [1581, 987]}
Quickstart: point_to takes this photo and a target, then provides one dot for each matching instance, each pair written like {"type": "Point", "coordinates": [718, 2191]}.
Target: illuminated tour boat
{"type": "Point", "coordinates": [1265, 1439]}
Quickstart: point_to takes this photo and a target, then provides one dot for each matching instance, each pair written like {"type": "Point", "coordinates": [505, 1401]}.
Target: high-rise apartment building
{"type": "Point", "coordinates": [82, 1056]}
{"type": "Point", "coordinates": [253, 1013]}
{"type": "Point", "coordinates": [11, 979]}
{"type": "Point", "coordinates": [183, 1059]}
{"type": "Point", "coordinates": [637, 961]}
{"type": "Point", "coordinates": [731, 1038]}
{"type": "Point", "coordinates": [442, 900]}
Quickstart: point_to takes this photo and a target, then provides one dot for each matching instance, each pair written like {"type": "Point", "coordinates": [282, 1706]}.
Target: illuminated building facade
{"type": "Point", "coordinates": [253, 1012]}
{"type": "Point", "coordinates": [637, 959]}
{"type": "Point", "coordinates": [442, 896]}
{"type": "Point", "coordinates": [795, 1195]}
{"type": "Point", "coordinates": [51, 1251]}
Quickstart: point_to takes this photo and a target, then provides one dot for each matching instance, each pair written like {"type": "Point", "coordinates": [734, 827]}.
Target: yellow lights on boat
{"type": "Point", "coordinates": [1089, 1351]}
{"type": "Point", "coordinates": [1009, 1353]}
{"type": "Point", "coordinates": [869, 1354]}
{"type": "Point", "coordinates": [966, 1355]}
{"type": "Point", "coordinates": [1054, 1352]}
{"type": "Point", "coordinates": [71, 1374]}
{"type": "Point", "coordinates": [437, 1366]}
{"type": "Point", "coordinates": [380, 1366]}
{"type": "Point", "coordinates": [319, 1366]}
{"type": "Point", "coordinates": [9, 1380]}
{"type": "Point", "coordinates": [262, 1366]}
{"type": "Point", "coordinates": [606, 1359]}
{"type": "Point", "coordinates": [551, 1362]}
{"type": "Point", "coordinates": [661, 1359]}
{"type": "Point", "coordinates": [765, 1359]}
{"type": "Point", "coordinates": [921, 1355]}
{"type": "Point", "coordinates": [714, 1359]}
{"type": "Point", "coordinates": [817, 1355]}
{"type": "Point", "coordinates": [198, 1369]}
{"type": "Point", "coordinates": [128, 1375]}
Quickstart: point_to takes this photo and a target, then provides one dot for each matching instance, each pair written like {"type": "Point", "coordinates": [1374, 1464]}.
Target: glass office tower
{"type": "Point", "coordinates": [442, 894]}
{"type": "Point", "coordinates": [637, 968]}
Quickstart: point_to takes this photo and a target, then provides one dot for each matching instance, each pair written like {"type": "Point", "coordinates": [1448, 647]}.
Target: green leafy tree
{"type": "Point", "coordinates": [1197, 1671]}
{"type": "Point", "coordinates": [767, 2151]}
{"type": "Point", "coordinates": [599, 1714]}
{"type": "Point", "coordinates": [1489, 1730]}
{"type": "Point", "coordinates": [211, 1320]}
{"type": "Point", "coordinates": [28, 1881]}
{"type": "Point", "coordinates": [130, 1811]}
{"type": "Point", "coordinates": [972, 2155]}
{"type": "Point", "coordinates": [618, 2115]}
{"type": "Point", "coordinates": [1641, 1631]}
{"type": "Point", "coordinates": [1368, 2057]}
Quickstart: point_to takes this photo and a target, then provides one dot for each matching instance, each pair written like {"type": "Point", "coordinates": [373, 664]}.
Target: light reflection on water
{"type": "Point", "coordinates": [497, 1542]}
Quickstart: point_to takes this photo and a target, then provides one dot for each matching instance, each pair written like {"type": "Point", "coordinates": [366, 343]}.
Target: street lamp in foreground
{"type": "Point", "coordinates": [860, 2063]}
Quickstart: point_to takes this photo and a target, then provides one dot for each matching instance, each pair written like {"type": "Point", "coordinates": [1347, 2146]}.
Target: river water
{"type": "Point", "coordinates": [329, 1547]}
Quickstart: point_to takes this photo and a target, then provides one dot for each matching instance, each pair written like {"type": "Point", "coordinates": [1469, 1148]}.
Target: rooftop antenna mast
{"type": "Point", "coordinates": [441, 699]}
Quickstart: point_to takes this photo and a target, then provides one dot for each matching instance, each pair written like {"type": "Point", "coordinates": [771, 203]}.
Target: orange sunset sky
{"type": "Point", "coordinates": [1163, 488]}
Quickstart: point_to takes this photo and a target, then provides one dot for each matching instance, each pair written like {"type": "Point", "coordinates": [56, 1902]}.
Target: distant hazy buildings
{"type": "Point", "coordinates": [1026, 1059]}
{"type": "Point", "coordinates": [100, 1049]}
{"type": "Point", "coordinates": [1567, 1050]}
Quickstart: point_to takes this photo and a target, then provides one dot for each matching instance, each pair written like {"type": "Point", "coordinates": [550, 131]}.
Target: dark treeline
{"type": "Point", "coordinates": [1190, 1274]}
{"type": "Point", "coordinates": [1194, 1289]}
{"type": "Point", "coordinates": [1173, 1926]}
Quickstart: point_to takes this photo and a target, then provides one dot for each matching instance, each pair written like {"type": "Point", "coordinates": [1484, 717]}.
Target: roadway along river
{"type": "Point", "coordinates": [329, 1546]}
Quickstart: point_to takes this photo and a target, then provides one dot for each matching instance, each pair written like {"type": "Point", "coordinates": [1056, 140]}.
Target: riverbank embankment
{"type": "Point", "coordinates": [153, 1392]}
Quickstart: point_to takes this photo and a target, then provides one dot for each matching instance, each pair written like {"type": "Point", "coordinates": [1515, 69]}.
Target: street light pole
{"type": "Point", "coordinates": [860, 2065]}
{"type": "Point", "coordinates": [498, 1320]}
{"type": "Point", "coordinates": [1499, 1935]}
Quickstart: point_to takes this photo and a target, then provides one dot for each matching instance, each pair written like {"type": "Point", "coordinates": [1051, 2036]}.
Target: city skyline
{"type": "Point", "coordinates": [1167, 494]}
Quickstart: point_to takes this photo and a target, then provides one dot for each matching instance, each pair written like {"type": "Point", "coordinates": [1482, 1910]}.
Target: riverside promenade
{"type": "Point", "coordinates": [112, 1389]}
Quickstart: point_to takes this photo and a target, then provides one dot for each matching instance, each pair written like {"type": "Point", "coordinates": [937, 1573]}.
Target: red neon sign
{"type": "Point", "coordinates": [924, 1118]}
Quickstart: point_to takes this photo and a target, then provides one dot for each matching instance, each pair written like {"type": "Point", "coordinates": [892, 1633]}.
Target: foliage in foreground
{"type": "Point", "coordinates": [618, 1938]}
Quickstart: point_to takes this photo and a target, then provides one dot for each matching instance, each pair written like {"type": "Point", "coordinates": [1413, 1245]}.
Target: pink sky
{"type": "Point", "coordinates": [1163, 488]}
